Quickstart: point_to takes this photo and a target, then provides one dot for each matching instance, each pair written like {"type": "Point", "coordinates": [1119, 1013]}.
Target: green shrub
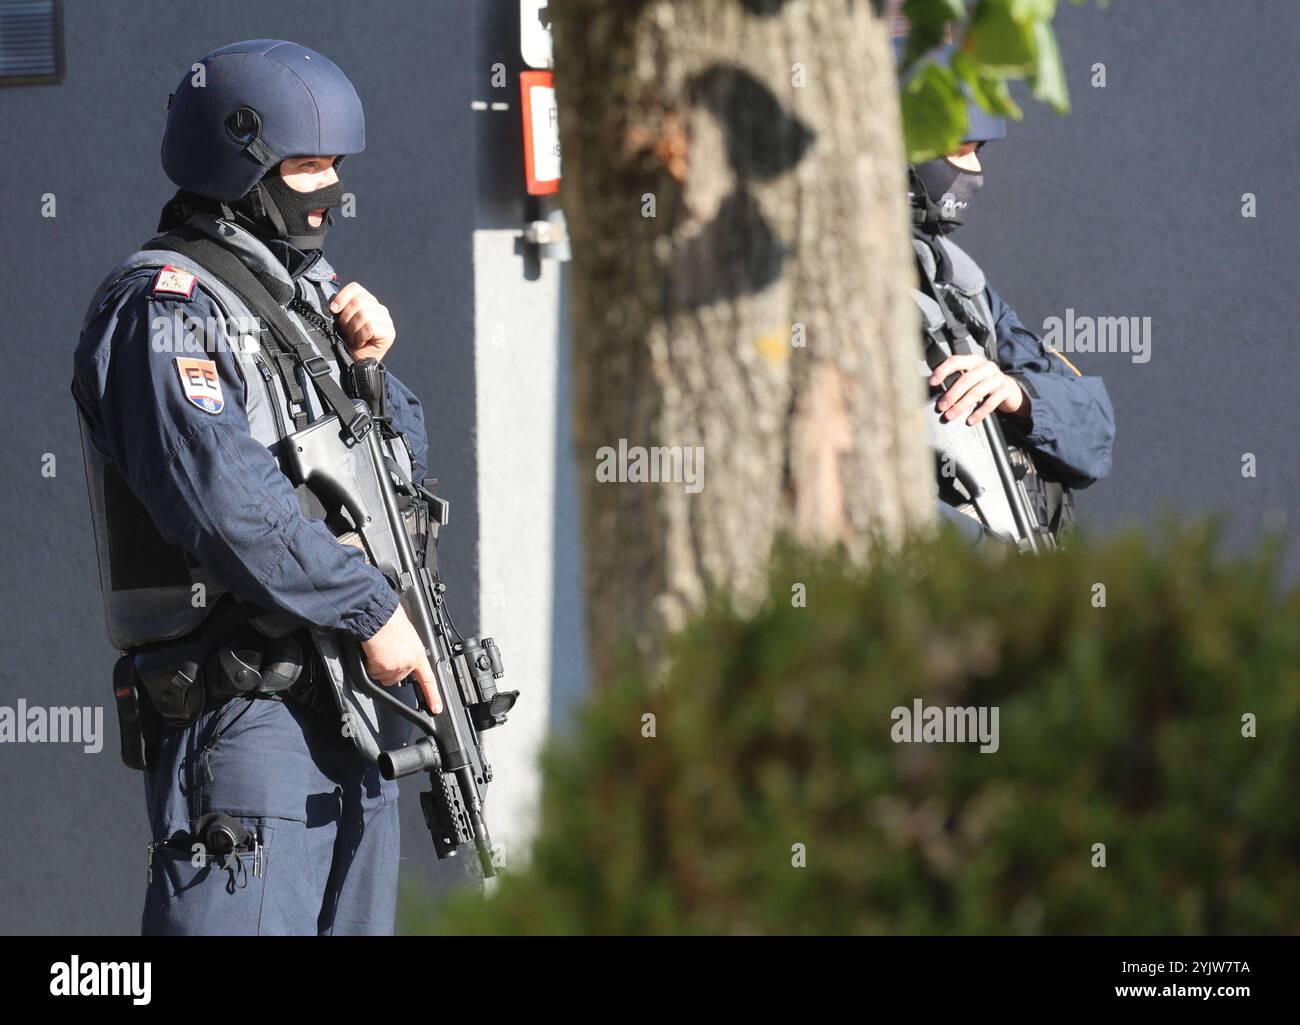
{"type": "Point", "coordinates": [1120, 725]}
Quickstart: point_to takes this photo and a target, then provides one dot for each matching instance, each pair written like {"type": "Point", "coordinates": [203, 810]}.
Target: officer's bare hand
{"type": "Point", "coordinates": [363, 321]}
{"type": "Point", "coordinates": [396, 652]}
{"type": "Point", "coordinates": [981, 388]}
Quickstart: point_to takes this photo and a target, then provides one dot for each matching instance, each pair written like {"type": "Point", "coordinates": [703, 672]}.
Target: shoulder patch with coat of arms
{"type": "Point", "coordinates": [201, 384]}
{"type": "Point", "coordinates": [174, 283]}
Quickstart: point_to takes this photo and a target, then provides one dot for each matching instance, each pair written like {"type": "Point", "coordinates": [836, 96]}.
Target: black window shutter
{"type": "Point", "coordinates": [31, 42]}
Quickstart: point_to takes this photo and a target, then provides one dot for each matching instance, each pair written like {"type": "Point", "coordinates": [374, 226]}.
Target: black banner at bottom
{"type": "Point", "coordinates": [441, 975]}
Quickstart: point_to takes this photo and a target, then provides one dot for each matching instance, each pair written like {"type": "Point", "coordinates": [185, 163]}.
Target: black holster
{"type": "Point", "coordinates": [138, 724]}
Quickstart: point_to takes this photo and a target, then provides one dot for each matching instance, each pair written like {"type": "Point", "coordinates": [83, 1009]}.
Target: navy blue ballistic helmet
{"type": "Point", "coordinates": [981, 126]}
{"type": "Point", "coordinates": [256, 103]}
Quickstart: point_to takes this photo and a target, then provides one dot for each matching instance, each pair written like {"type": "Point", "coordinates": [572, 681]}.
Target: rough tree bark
{"type": "Point", "coordinates": [762, 313]}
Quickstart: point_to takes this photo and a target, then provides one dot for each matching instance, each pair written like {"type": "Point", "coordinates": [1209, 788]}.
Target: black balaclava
{"type": "Point", "coordinates": [271, 210]}
{"type": "Point", "coordinates": [949, 190]}
{"type": "Point", "coordinates": [279, 212]}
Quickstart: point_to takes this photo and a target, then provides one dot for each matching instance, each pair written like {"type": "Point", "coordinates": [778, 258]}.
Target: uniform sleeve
{"type": "Point", "coordinates": [175, 424]}
{"type": "Point", "coordinates": [408, 418]}
{"type": "Point", "coordinates": [1071, 419]}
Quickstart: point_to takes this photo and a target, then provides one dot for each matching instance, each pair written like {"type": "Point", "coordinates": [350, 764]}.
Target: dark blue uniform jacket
{"type": "Point", "coordinates": [208, 485]}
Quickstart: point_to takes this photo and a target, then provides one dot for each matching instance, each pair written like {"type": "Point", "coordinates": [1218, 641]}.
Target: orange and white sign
{"type": "Point", "coordinates": [541, 132]}
{"type": "Point", "coordinates": [201, 384]}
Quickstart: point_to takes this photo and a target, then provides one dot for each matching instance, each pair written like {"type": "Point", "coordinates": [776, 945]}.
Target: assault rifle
{"type": "Point", "coordinates": [979, 458]}
{"type": "Point", "coordinates": [368, 501]}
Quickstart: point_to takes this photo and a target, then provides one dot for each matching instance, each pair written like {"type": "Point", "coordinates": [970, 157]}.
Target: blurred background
{"type": "Point", "coordinates": [1130, 206]}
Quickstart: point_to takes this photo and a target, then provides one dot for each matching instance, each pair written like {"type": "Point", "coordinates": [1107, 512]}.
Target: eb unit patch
{"type": "Point", "coordinates": [201, 384]}
{"type": "Point", "coordinates": [174, 282]}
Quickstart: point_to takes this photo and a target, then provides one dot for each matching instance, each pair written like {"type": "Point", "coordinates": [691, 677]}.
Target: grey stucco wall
{"type": "Point", "coordinates": [1131, 206]}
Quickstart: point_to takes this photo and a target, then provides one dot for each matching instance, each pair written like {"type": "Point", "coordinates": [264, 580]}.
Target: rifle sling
{"type": "Point", "coordinates": [261, 293]}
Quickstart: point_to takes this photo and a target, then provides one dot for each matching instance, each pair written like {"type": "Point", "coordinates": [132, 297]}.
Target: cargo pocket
{"type": "Point", "coordinates": [200, 895]}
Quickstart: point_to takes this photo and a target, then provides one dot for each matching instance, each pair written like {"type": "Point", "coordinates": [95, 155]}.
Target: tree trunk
{"type": "Point", "coordinates": [735, 191]}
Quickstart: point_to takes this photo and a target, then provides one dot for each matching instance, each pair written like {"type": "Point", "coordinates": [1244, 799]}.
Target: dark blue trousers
{"type": "Point", "coordinates": [325, 820]}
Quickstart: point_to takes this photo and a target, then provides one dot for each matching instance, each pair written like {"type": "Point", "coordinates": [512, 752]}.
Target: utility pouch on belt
{"type": "Point", "coordinates": [248, 662]}
{"type": "Point", "coordinates": [170, 678]}
{"type": "Point", "coordinates": [171, 672]}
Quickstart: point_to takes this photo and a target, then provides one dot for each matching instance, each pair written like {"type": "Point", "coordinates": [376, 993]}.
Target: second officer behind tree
{"type": "Point", "coordinates": [1057, 423]}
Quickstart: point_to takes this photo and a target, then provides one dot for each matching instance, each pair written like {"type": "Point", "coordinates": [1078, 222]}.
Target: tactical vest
{"type": "Point", "coordinates": [966, 282]}
{"type": "Point", "coordinates": [150, 587]}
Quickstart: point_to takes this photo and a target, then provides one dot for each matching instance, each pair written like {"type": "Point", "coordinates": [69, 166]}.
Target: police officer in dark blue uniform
{"type": "Point", "coordinates": [1059, 423]}
{"type": "Point", "coordinates": [265, 818]}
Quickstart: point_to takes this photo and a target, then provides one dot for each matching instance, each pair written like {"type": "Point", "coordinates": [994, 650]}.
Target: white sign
{"type": "Point", "coordinates": [535, 33]}
{"type": "Point", "coordinates": [546, 133]}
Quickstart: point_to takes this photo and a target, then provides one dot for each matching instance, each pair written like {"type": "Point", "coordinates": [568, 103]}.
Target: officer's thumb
{"type": "Point", "coordinates": [428, 684]}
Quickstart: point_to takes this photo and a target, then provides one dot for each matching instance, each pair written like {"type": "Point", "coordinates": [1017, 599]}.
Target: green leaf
{"type": "Point", "coordinates": [1049, 80]}
{"type": "Point", "coordinates": [934, 112]}
{"type": "Point", "coordinates": [988, 90]}
{"type": "Point", "coordinates": [1003, 40]}
{"type": "Point", "coordinates": [995, 97]}
{"type": "Point", "coordinates": [998, 38]}
{"type": "Point", "coordinates": [920, 41]}
{"type": "Point", "coordinates": [1033, 10]}
{"type": "Point", "coordinates": [928, 21]}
